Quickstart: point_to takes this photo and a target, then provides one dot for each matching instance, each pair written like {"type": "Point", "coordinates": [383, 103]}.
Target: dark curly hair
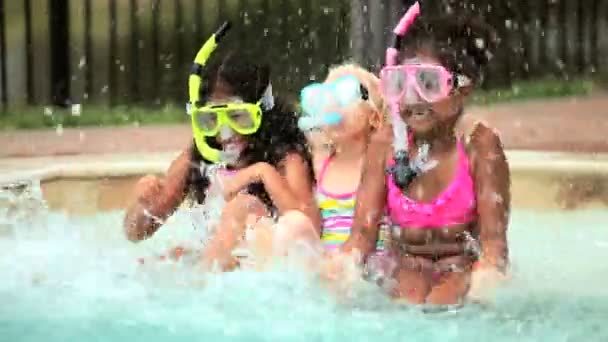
{"type": "Point", "coordinates": [463, 44]}
{"type": "Point", "coordinates": [278, 134]}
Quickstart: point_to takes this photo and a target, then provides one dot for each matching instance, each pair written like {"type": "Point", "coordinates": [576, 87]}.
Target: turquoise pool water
{"type": "Point", "coordinates": [76, 280]}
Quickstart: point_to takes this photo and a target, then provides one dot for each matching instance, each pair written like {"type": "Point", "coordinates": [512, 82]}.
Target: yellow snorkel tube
{"type": "Point", "coordinates": [194, 85]}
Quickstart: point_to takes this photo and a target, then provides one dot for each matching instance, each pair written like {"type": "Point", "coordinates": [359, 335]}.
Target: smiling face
{"type": "Point", "coordinates": [423, 118]}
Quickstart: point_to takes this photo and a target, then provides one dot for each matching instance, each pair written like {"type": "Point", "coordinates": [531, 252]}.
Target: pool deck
{"type": "Point", "coordinates": [567, 125]}
{"type": "Point", "coordinates": [557, 133]}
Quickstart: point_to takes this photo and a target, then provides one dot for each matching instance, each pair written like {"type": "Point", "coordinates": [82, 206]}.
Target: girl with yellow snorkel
{"type": "Point", "coordinates": [238, 123]}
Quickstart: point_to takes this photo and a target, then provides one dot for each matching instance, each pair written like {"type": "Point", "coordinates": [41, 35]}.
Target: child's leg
{"type": "Point", "coordinates": [297, 241]}
{"type": "Point", "coordinates": [292, 228]}
{"type": "Point", "coordinates": [240, 212]}
{"type": "Point", "coordinates": [259, 242]}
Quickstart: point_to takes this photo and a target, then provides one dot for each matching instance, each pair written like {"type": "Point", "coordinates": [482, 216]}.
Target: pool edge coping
{"type": "Point", "coordinates": [127, 165]}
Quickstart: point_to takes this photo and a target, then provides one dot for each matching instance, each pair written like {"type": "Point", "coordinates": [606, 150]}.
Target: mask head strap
{"type": "Point", "coordinates": [267, 99]}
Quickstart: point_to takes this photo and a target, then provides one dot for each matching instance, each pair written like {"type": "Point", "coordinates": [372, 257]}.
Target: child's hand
{"type": "Point", "coordinates": [251, 174]}
{"type": "Point", "coordinates": [484, 283]}
{"type": "Point", "coordinates": [342, 269]}
{"type": "Point", "coordinates": [382, 136]}
{"type": "Point", "coordinates": [340, 273]}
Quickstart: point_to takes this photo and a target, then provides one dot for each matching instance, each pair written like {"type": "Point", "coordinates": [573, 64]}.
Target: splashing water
{"type": "Point", "coordinates": [421, 162]}
{"type": "Point", "coordinates": [67, 278]}
{"type": "Point", "coordinates": [206, 216]}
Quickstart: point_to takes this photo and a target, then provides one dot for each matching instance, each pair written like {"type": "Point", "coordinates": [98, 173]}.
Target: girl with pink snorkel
{"type": "Point", "coordinates": [446, 193]}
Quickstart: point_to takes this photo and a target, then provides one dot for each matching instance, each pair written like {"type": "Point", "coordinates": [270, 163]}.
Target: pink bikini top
{"type": "Point", "coordinates": [456, 205]}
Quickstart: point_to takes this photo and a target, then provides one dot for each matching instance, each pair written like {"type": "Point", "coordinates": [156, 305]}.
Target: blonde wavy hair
{"type": "Point", "coordinates": [375, 103]}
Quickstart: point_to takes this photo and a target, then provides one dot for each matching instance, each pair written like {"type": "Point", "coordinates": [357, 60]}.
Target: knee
{"type": "Point", "coordinates": [294, 224]}
{"type": "Point", "coordinates": [295, 218]}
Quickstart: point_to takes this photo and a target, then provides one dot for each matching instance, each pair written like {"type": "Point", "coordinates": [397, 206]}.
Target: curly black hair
{"type": "Point", "coordinates": [462, 43]}
{"type": "Point", "coordinates": [278, 134]}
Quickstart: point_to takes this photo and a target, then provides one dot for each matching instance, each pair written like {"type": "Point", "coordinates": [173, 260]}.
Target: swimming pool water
{"type": "Point", "coordinates": [77, 280]}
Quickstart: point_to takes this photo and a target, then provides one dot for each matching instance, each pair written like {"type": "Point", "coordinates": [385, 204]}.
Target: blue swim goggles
{"type": "Point", "coordinates": [322, 103]}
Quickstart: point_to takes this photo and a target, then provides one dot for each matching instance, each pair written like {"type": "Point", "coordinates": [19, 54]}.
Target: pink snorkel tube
{"type": "Point", "coordinates": [402, 172]}
{"type": "Point", "coordinates": [400, 30]}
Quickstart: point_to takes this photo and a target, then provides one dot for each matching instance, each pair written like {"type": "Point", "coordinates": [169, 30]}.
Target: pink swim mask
{"type": "Point", "coordinates": [419, 83]}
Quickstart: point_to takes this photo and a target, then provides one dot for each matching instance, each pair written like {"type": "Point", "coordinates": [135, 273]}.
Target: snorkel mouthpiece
{"type": "Point", "coordinates": [402, 171]}
{"type": "Point", "coordinates": [194, 85]}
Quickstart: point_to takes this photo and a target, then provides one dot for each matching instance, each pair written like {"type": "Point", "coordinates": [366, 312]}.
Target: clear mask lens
{"type": "Point", "coordinates": [207, 121]}
{"type": "Point", "coordinates": [241, 119]}
{"type": "Point", "coordinates": [393, 83]}
{"type": "Point", "coordinates": [346, 91]}
{"type": "Point", "coordinates": [429, 82]}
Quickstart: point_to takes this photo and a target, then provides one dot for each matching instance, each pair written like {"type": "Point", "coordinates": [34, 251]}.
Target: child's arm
{"type": "Point", "coordinates": [289, 190]}
{"type": "Point", "coordinates": [155, 199]}
{"type": "Point", "coordinates": [371, 195]}
{"type": "Point", "coordinates": [492, 184]}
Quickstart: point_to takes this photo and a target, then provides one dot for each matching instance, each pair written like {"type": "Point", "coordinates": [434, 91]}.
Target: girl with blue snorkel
{"type": "Point", "coordinates": [446, 194]}
{"type": "Point", "coordinates": [238, 123]}
{"type": "Point", "coordinates": [343, 112]}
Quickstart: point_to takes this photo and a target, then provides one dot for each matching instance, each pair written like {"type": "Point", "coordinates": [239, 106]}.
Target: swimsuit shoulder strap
{"type": "Point", "coordinates": [323, 170]}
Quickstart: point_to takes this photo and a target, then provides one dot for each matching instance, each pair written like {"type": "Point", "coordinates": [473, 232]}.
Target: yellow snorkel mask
{"type": "Point", "coordinates": [212, 119]}
{"type": "Point", "coordinates": [208, 120]}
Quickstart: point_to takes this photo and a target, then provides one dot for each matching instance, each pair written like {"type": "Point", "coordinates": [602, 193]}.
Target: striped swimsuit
{"type": "Point", "coordinates": [337, 212]}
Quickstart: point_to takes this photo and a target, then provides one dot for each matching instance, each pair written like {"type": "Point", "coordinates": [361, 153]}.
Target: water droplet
{"type": "Point", "coordinates": [496, 197]}
{"type": "Point", "coordinates": [48, 111]}
{"type": "Point", "coordinates": [82, 62]}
